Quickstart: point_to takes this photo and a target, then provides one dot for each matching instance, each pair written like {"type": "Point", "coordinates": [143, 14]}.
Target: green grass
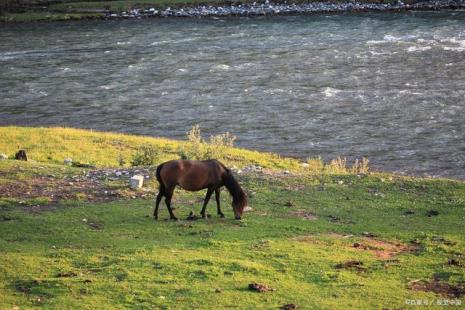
{"type": "Point", "coordinates": [113, 255]}
{"type": "Point", "coordinates": [102, 149]}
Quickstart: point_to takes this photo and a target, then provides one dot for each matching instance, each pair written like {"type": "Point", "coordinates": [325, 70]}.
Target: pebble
{"type": "Point", "coordinates": [269, 8]}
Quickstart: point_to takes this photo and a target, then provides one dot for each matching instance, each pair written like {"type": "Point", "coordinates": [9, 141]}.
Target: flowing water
{"type": "Point", "coordinates": [387, 86]}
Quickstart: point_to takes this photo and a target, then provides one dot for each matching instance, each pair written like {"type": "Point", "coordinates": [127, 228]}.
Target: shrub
{"type": "Point", "coordinates": [361, 166]}
{"type": "Point", "coordinates": [218, 145]}
{"type": "Point", "coordinates": [146, 155]}
{"type": "Point", "coordinates": [198, 148]}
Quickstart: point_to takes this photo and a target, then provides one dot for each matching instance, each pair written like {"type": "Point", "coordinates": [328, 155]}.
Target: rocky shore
{"type": "Point", "coordinates": [269, 8]}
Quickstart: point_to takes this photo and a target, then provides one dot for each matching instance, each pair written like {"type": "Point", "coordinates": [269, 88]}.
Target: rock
{"type": "Point", "coordinates": [68, 161]}
{"type": "Point", "coordinates": [3, 156]}
{"type": "Point", "coordinates": [118, 173]}
{"type": "Point", "coordinates": [289, 204]}
{"type": "Point", "coordinates": [260, 287]}
{"type": "Point", "coordinates": [431, 213]}
{"type": "Point", "coordinates": [368, 234]}
{"type": "Point", "coordinates": [21, 155]}
{"type": "Point", "coordinates": [305, 165]}
{"type": "Point", "coordinates": [248, 209]}
{"type": "Point", "coordinates": [136, 181]}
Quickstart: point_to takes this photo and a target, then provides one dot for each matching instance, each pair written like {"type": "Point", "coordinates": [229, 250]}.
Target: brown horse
{"type": "Point", "coordinates": [194, 175]}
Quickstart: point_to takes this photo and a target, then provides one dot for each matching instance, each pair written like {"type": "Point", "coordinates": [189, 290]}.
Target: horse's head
{"type": "Point", "coordinates": [239, 204]}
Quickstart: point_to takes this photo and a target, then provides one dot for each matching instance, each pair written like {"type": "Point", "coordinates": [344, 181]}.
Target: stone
{"type": "Point", "coordinates": [3, 156]}
{"type": "Point", "coordinates": [68, 161]}
{"type": "Point", "coordinates": [248, 209]}
{"type": "Point", "coordinates": [136, 181]}
{"type": "Point", "coordinates": [21, 155]}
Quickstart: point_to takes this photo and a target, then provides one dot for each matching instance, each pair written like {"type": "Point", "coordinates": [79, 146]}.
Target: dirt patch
{"type": "Point", "coordinates": [95, 225]}
{"type": "Point", "coordinates": [54, 190]}
{"type": "Point", "coordinates": [381, 248]}
{"type": "Point", "coordinates": [439, 287]}
{"type": "Point", "coordinates": [385, 250]}
{"type": "Point", "coordinates": [41, 192]}
{"type": "Point", "coordinates": [338, 220]}
{"type": "Point", "coordinates": [351, 265]}
{"type": "Point", "coordinates": [67, 274]}
{"type": "Point", "coordinates": [261, 288]}
{"type": "Point", "coordinates": [307, 215]}
{"type": "Point", "coordinates": [289, 307]}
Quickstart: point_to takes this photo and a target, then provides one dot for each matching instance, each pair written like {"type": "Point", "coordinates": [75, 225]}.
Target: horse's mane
{"type": "Point", "coordinates": [237, 193]}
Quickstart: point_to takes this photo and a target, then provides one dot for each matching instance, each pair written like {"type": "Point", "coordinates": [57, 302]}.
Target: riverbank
{"type": "Point", "coordinates": [150, 9]}
{"type": "Point", "coordinates": [75, 236]}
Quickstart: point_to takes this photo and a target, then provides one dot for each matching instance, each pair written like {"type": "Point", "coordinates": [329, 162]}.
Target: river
{"type": "Point", "coordinates": [387, 86]}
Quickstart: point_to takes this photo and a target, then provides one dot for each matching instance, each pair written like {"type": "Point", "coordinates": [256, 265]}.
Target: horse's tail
{"type": "Point", "coordinates": [159, 179]}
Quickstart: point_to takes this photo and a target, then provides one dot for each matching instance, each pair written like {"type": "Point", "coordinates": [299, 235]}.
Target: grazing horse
{"type": "Point", "coordinates": [195, 175]}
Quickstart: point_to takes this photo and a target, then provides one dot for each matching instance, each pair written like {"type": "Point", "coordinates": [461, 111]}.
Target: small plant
{"type": "Point", "coordinates": [218, 144]}
{"type": "Point", "coordinates": [337, 165]}
{"type": "Point", "coordinates": [146, 155]}
{"type": "Point", "coordinates": [198, 148]}
{"type": "Point", "coordinates": [121, 160]}
{"type": "Point", "coordinates": [194, 149]}
{"type": "Point", "coordinates": [361, 166]}
{"type": "Point", "coordinates": [315, 165]}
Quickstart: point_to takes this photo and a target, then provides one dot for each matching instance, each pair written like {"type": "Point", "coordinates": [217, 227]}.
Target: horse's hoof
{"type": "Point", "coordinates": [221, 215]}
{"type": "Point", "coordinates": [174, 219]}
{"type": "Point", "coordinates": [155, 218]}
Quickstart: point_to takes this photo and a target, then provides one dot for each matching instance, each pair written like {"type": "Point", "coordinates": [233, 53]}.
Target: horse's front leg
{"type": "Point", "coordinates": [217, 197]}
{"type": "Point", "coordinates": [205, 202]}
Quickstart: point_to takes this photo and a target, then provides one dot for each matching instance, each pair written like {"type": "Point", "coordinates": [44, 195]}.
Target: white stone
{"type": "Point", "coordinates": [118, 173]}
{"type": "Point", "coordinates": [136, 181]}
{"type": "Point", "coordinates": [248, 209]}
{"type": "Point", "coordinates": [3, 156]}
{"type": "Point", "coordinates": [68, 161]}
{"type": "Point", "coordinates": [305, 165]}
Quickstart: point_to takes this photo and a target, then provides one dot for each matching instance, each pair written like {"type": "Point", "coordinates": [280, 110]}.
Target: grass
{"type": "Point", "coordinates": [102, 149]}
{"type": "Point", "coordinates": [83, 254]}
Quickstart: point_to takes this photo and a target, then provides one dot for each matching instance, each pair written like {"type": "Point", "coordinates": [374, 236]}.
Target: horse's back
{"type": "Point", "coordinates": [192, 175]}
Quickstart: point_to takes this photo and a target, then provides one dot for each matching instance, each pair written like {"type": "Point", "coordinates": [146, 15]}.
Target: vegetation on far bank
{"type": "Point", "coordinates": [105, 149]}
{"type": "Point", "coordinates": [78, 237]}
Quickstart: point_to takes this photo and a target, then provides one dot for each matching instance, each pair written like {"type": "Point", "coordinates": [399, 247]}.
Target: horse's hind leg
{"type": "Point", "coordinates": [168, 196]}
{"type": "Point", "coordinates": [205, 202]}
{"type": "Point", "coordinates": [157, 202]}
{"type": "Point", "coordinates": [217, 197]}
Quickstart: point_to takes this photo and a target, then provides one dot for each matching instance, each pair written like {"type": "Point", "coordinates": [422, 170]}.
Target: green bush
{"type": "Point", "coordinates": [198, 148]}
{"type": "Point", "coordinates": [146, 155]}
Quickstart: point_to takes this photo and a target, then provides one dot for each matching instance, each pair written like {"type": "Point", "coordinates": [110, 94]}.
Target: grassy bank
{"type": "Point", "coordinates": [320, 238]}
